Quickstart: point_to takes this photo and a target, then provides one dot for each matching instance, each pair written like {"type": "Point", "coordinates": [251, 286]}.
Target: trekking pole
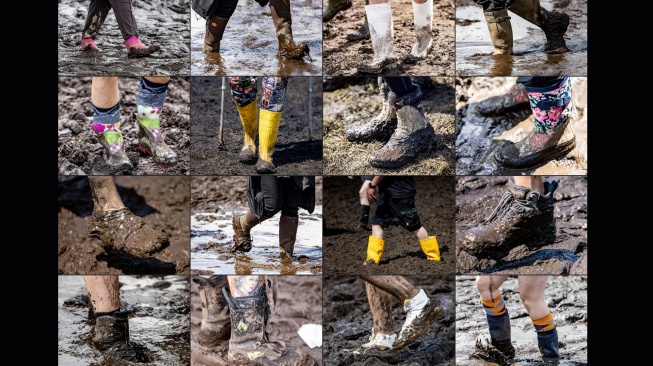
{"type": "Point", "coordinates": [220, 141]}
{"type": "Point", "coordinates": [310, 110]}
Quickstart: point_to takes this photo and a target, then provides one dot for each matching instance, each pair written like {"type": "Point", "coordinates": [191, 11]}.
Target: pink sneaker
{"type": "Point", "coordinates": [88, 44]}
{"type": "Point", "coordinates": [136, 48]}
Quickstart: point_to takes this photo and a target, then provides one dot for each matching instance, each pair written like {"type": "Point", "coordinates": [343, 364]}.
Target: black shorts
{"type": "Point", "coordinates": [404, 209]}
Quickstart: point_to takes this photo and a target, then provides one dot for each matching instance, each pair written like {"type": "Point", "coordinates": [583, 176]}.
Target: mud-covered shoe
{"type": "Point", "coordinates": [553, 23]}
{"type": "Point", "coordinates": [265, 167]}
{"type": "Point", "coordinates": [247, 155]}
{"type": "Point", "coordinates": [378, 67]}
{"type": "Point", "coordinates": [287, 46]}
{"type": "Point", "coordinates": [515, 99]}
{"type": "Point", "coordinates": [380, 127]}
{"type": "Point", "coordinates": [381, 342]}
{"type": "Point", "coordinates": [547, 342]}
{"type": "Point", "coordinates": [242, 241]}
{"type": "Point", "coordinates": [413, 135]}
{"type": "Point", "coordinates": [421, 312]}
{"type": "Point", "coordinates": [136, 48]}
{"type": "Point", "coordinates": [334, 7]}
{"type": "Point", "coordinates": [112, 337]}
{"type": "Point", "coordinates": [88, 44]}
{"type": "Point", "coordinates": [216, 323]}
{"type": "Point", "coordinates": [151, 139]}
{"type": "Point", "coordinates": [122, 230]}
{"type": "Point", "coordinates": [522, 217]}
{"type": "Point", "coordinates": [361, 33]}
{"type": "Point", "coordinates": [111, 139]}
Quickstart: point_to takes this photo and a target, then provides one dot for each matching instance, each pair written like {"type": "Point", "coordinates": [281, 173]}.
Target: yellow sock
{"type": "Point", "coordinates": [268, 126]}
{"type": "Point", "coordinates": [375, 249]}
{"type": "Point", "coordinates": [544, 324]}
{"type": "Point", "coordinates": [250, 124]}
{"type": "Point", "coordinates": [430, 248]}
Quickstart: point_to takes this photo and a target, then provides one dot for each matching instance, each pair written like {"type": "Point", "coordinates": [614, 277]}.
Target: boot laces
{"type": "Point", "coordinates": [510, 207]}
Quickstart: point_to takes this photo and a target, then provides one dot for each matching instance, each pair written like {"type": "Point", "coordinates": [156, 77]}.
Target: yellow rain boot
{"type": "Point", "coordinates": [374, 250]}
{"type": "Point", "coordinates": [268, 126]}
{"type": "Point", "coordinates": [430, 248]}
{"type": "Point", "coordinates": [249, 120]}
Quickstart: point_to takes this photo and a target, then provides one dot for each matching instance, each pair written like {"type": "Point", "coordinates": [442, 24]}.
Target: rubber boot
{"type": "Point", "coordinates": [333, 8]}
{"type": "Point", "coordinates": [413, 135]}
{"type": "Point", "coordinates": [522, 217]}
{"type": "Point", "coordinates": [382, 36]}
{"type": "Point", "coordinates": [361, 33]}
{"type": "Point", "coordinates": [423, 22]}
{"type": "Point", "coordinates": [216, 323]}
{"type": "Point", "coordinates": [430, 248]}
{"type": "Point", "coordinates": [112, 337]}
{"type": "Point", "coordinates": [268, 127]}
{"type": "Point", "coordinates": [215, 27]}
{"type": "Point", "coordinates": [249, 120]}
{"type": "Point", "coordinates": [380, 127]}
{"type": "Point", "coordinates": [283, 23]}
{"type": "Point", "coordinates": [287, 237]}
{"type": "Point", "coordinates": [500, 28]}
{"type": "Point", "coordinates": [553, 23]}
{"type": "Point", "coordinates": [547, 342]}
{"type": "Point", "coordinates": [136, 48]}
{"type": "Point", "coordinates": [242, 238]}
{"type": "Point", "coordinates": [374, 250]}
{"type": "Point", "coordinates": [421, 312]}
{"type": "Point", "coordinates": [500, 334]}
{"type": "Point", "coordinates": [515, 99]}
{"type": "Point", "coordinates": [150, 138]}
{"type": "Point", "coordinates": [111, 139]}
{"type": "Point", "coordinates": [551, 137]}
{"type": "Point", "coordinates": [88, 44]}
{"type": "Point", "coordinates": [249, 341]}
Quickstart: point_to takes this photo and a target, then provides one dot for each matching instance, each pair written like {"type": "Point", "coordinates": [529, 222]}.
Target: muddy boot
{"type": "Point", "coordinates": [268, 129]}
{"type": "Point", "coordinates": [149, 103]}
{"type": "Point", "coordinates": [515, 99]}
{"type": "Point", "coordinates": [431, 248]}
{"type": "Point", "coordinates": [551, 137]}
{"type": "Point", "coordinates": [500, 28]}
{"type": "Point", "coordinates": [112, 336]}
{"type": "Point", "coordinates": [378, 341]}
{"type": "Point", "coordinates": [242, 238]}
{"type": "Point", "coordinates": [421, 312]}
{"type": "Point", "coordinates": [333, 8]}
{"type": "Point", "coordinates": [361, 33]}
{"type": "Point", "coordinates": [374, 251]}
{"type": "Point", "coordinates": [382, 36]}
{"type": "Point", "coordinates": [122, 230]}
{"type": "Point", "coordinates": [413, 135]}
{"type": "Point", "coordinates": [522, 217]}
{"type": "Point", "coordinates": [88, 44]}
{"type": "Point", "coordinates": [553, 23]}
{"type": "Point", "coordinates": [498, 320]}
{"type": "Point", "coordinates": [111, 139]}
{"type": "Point", "coordinates": [213, 33]}
{"type": "Point", "coordinates": [136, 48]}
{"type": "Point", "coordinates": [383, 335]}
{"type": "Point", "coordinates": [380, 127]}
{"type": "Point", "coordinates": [287, 237]}
{"type": "Point", "coordinates": [283, 23]}
{"type": "Point", "coordinates": [423, 22]}
{"type": "Point", "coordinates": [249, 342]}
{"type": "Point", "coordinates": [216, 323]}
{"type": "Point", "coordinates": [547, 342]}
{"type": "Point", "coordinates": [249, 120]}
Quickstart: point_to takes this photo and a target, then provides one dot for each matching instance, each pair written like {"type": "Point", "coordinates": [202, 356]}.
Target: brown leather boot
{"type": "Point", "coordinates": [242, 238]}
{"type": "Point", "coordinates": [380, 127]}
{"type": "Point", "coordinates": [213, 33]}
{"type": "Point", "coordinates": [216, 323]}
{"type": "Point", "coordinates": [283, 24]}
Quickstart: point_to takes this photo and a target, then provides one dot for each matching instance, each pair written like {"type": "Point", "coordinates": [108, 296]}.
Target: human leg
{"type": "Point", "coordinates": [282, 18]}
{"type": "Point", "coordinates": [364, 214]}
{"type": "Point", "coordinates": [553, 23]}
{"type": "Point", "coordinates": [272, 103]}
{"type": "Point", "coordinates": [383, 334]}
{"type": "Point", "coordinates": [129, 29]}
{"type": "Point", "coordinates": [423, 23]}
{"type": "Point", "coordinates": [98, 10]}
{"type": "Point", "coordinates": [405, 210]}
{"type": "Point", "coordinates": [271, 201]}
{"type": "Point", "coordinates": [243, 94]}
{"type": "Point", "coordinates": [496, 313]}
{"type": "Point", "coordinates": [216, 323]}
{"type": "Point", "coordinates": [379, 15]}
{"type": "Point", "coordinates": [217, 23]}
{"type": "Point", "coordinates": [150, 98]}
{"type": "Point", "coordinates": [289, 218]}
{"type": "Point", "coordinates": [531, 292]}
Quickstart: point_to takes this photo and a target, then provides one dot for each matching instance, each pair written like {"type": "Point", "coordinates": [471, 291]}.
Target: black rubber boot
{"type": "Point", "coordinates": [547, 342]}
{"type": "Point", "coordinates": [500, 334]}
{"type": "Point", "coordinates": [216, 324]}
{"type": "Point", "coordinates": [112, 337]}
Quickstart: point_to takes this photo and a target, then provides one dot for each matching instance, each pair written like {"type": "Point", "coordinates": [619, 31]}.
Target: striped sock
{"type": "Point", "coordinates": [494, 307]}
{"type": "Point", "coordinates": [544, 324]}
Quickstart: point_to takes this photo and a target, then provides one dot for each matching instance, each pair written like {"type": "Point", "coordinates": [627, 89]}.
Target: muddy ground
{"type": "Point", "coordinates": [162, 202]}
{"type": "Point", "coordinates": [249, 45]}
{"type": "Point", "coordinates": [345, 244]}
{"type": "Point", "coordinates": [566, 297]}
{"type": "Point", "coordinates": [341, 56]}
{"type": "Point", "coordinates": [80, 151]}
{"type": "Point", "coordinates": [348, 324]}
{"type": "Point", "coordinates": [294, 152]}
{"type": "Point", "coordinates": [478, 136]}
{"type": "Point", "coordinates": [474, 45]}
{"type": "Point", "coordinates": [215, 200]}
{"type": "Point", "coordinates": [299, 302]}
{"type": "Point", "coordinates": [158, 310]}
{"type": "Point", "coordinates": [350, 99]}
{"type": "Point", "coordinates": [160, 22]}
{"type": "Point", "coordinates": [476, 198]}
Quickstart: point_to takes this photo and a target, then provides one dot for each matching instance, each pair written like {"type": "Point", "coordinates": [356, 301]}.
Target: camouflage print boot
{"type": "Point", "coordinates": [522, 217]}
{"type": "Point", "coordinates": [250, 342]}
{"type": "Point", "coordinates": [413, 135]}
{"type": "Point", "coordinates": [216, 324]}
{"type": "Point", "coordinates": [380, 127]}
{"type": "Point", "coordinates": [112, 337]}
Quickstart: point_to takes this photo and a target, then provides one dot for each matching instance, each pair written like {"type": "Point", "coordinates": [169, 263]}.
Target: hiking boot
{"type": "Point", "coordinates": [216, 323]}
{"type": "Point", "coordinates": [249, 341]}
{"type": "Point", "coordinates": [136, 48]}
{"type": "Point", "coordinates": [151, 139]}
{"type": "Point", "coordinates": [551, 137]}
{"type": "Point", "coordinates": [547, 342]}
{"type": "Point", "coordinates": [242, 241]}
{"type": "Point", "coordinates": [333, 8]}
{"type": "Point", "coordinates": [522, 216]}
{"type": "Point", "coordinates": [421, 311]}
{"type": "Point", "coordinates": [112, 337]}
{"type": "Point", "coordinates": [111, 139]}
{"type": "Point", "coordinates": [412, 136]}
{"type": "Point", "coordinates": [88, 44]}
{"type": "Point", "coordinates": [122, 230]}
{"type": "Point", "coordinates": [381, 342]}
{"type": "Point", "coordinates": [380, 127]}
{"type": "Point", "coordinates": [553, 23]}
{"type": "Point", "coordinates": [423, 22]}
{"type": "Point", "coordinates": [515, 99]}
{"type": "Point", "coordinates": [382, 36]}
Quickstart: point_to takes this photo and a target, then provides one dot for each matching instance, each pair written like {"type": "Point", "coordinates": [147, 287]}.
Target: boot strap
{"type": "Point", "coordinates": [549, 103]}
{"type": "Point", "coordinates": [498, 19]}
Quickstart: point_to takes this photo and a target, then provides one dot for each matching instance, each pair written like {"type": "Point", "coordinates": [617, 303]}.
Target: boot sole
{"type": "Point", "coordinates": [560, 152]}
{"type": "Point", "coordinates": [136, 53]}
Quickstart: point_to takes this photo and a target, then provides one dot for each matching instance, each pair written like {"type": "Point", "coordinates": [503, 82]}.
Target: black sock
{"type": "Point", "coordinates": [364, 215]}
{"type": "Point", "coordinates": [99, 314]}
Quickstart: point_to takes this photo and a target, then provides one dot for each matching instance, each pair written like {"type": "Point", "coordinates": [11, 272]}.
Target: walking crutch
{"type": "Point", "coordinates": [220, 141]}
{"type": "Point", "coordinates": [310, 111]}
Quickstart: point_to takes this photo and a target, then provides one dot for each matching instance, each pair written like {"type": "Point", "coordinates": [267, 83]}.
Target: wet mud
{"type": "Point", "coordinates": [478, 136]}
{"type": "Point", "coordinates": [215, 200]}
{"type": "Point", "coordinates": [348, 324]}
{"type": "Point", "coordinates": [345, 245]}
{"type": "Point", "coordinates": [298, 150]}
{"type": "Point", "coordinates": [351, 99]}
{"type": "Point", "coordinates": [476, 198]}
{"type": "Point", "coordinates": [249, 45]}
{"type": "Point", "coordinates": [160, 22]}
{"type": "Point", "coordinates": [474, 46]}
{"type": "Point", "coordinates": [566, 297]}
{"type": "Point", "coordinates": [161, 201]}
{"type": "Point", "coordinates": [158, 310]}
{"type": "Point", "coordinates": [299, 302]}
{"type": "Point", "coordinates": [341, 56]}
{"type": "Point", "coordinates": [80, 151]}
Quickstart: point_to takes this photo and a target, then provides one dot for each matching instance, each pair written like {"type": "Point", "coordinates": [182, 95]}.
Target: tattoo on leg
{"type": "Point", "coordinates": [247, 285]}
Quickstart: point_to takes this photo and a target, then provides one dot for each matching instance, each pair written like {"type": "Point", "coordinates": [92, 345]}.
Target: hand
{"type": "Point", "coordinates": [371, 194]}
{"type": "Point", "coordinates": [350, 176]}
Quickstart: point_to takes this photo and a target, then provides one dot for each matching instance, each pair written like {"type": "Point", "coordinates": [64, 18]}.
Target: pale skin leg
{"type": "Point", "coordinates": [533, 182]}
{"type": "Point", "coordinates": [104, 292]}
{"type": "Point", "coordinates": [531, 292]}
{"type": "Point", "coordinates": [104, 91]}
{"type": "Point", "coordinates": [380, 290]}
{"type": "Point", "coordinates": [362, 193]}
{"type": "Point", "coordinates": [105, 194]}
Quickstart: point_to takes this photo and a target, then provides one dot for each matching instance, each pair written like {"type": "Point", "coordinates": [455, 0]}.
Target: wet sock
{"type": "Point", "coordinates": [544, 324]}
{"type": "Point", "coordinates": [496, 307]}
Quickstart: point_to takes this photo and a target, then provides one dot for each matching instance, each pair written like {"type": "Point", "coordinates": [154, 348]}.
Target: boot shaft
{"type": "Point", "coordinates": [249, 316]}
{"type": "Point", "coordinates": [214, 305]}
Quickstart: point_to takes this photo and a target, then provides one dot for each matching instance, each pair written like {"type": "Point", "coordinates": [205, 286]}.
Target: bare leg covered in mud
{"type": "Point", "coordinates": [111, 331]}
{"type": "Point", "coordinates": [421, 311]}
{"type": "Point", "coordinates": [280, 10]}
{"type": "Point", "coordinates": [116, 226]}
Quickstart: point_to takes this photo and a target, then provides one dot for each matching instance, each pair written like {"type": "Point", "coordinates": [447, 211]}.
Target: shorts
{"type": "Point", "coordinates": [404, 209]}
